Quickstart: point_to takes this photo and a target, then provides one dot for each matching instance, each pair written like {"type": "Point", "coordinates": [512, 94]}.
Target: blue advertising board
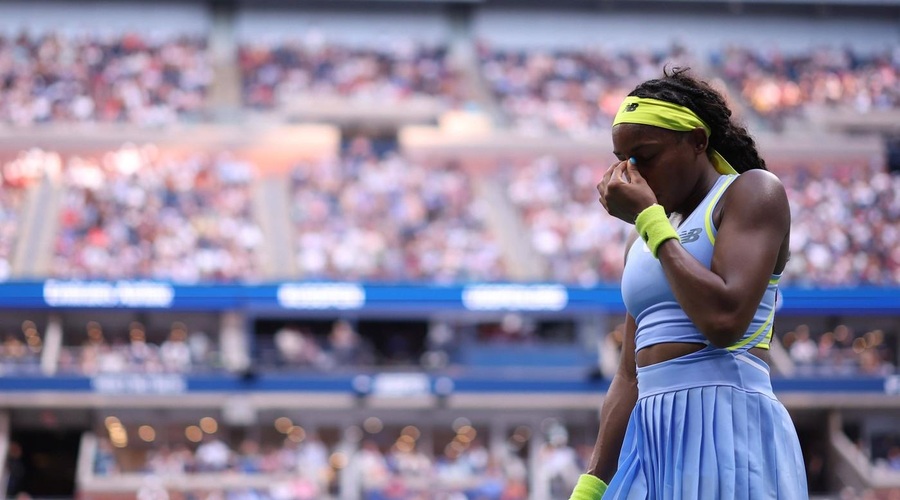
{"type": "Point", "coordinates": [350, 296]}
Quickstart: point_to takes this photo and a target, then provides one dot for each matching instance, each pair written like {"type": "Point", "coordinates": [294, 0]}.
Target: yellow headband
{"type": "Point", "coordinates": [669, 116]}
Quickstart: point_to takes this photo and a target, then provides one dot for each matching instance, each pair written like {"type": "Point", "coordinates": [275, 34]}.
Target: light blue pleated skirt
{"type": "Point", "coordinates": [707, 426]}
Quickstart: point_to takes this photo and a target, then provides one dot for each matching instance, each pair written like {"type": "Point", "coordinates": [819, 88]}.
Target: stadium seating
{"type": "Point", "coordinates": [383, 224]}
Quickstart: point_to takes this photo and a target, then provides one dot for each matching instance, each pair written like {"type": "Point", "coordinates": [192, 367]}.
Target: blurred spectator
{"type": "Point", "coordinates": [15, 470]}
{"type": "Point", "coordinates": [885, 450]}
{"type": "Point", "coordinates": [778, 84]}
{"type": "Point", "coordinates": [21, 353]}
{"type": "Point", "coordinates": [312, 461]}
{"type": "Point", "coordinates": [141, 353]}
{"type": "Point", "coordinates": [201, 348]}
{"type": "Point", "coordinates": [441, 346]}
{"type": "Point", "coordinates": [213, 455]}
{"type": "Point", "coordinates": [97, 354]}
{"type": "Point", "coordinates": [559, 462]}
{"type": "Point", "coordinates": [845, 223]}
{"type": "Point", "coordinates": [582, 244]}
{"type": "Point", "coordinates": [299, 347]}
{"type": "Point", "coordinates": [373, 470]}
{"type": "Point", "coordinates": [175, 352]}
{"type": "Point", "coordinates": [410, 464]}
{"type": "Point", "coordinates": [345, 347]}
{"type": "Point", "coordinates": [249, 458]}
{"type": "Point", "coordinates": [15, 356]}
{"type": "Point", "coordinates": [803, 350]}
{"type": "Point", "coordinates": [572, 92]}
{"type": "Point", "coordinates": [301, 467]}
{"type": "Point", "coordinates": [131, 78]}
{"type": "Point", "coordinates": [840, 351]}
{"type": "Point", "coordinates": [845, 227]}
{"type": "Point", "coordinates": [386, 74]}
{"type": "Point", "coordinates": [387, 219]}
{"type": "Point", "coordinates": [893, 458]}
{"type": "Point", "coordinates": [513, 328]}
{"type": "Point", "coordinates": [141, 213]}
{"type": "Point", "coordinates": [166, 461]}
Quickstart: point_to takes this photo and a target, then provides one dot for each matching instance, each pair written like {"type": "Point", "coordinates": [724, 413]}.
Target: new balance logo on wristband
{"type": "Point", "coordinates": [690, 235]}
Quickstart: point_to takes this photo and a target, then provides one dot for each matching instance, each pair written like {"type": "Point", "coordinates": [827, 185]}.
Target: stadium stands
{"type": "Point", "coordinates": [56, 78]}
{"type": "Point", "coordinates": [187, 274]}
{"type": "Point", "coordinates": [778, 85]}
{"type": "Point", "coordinates": [140, 212]}
{"type": "Point", "coordinates": [391, 218]}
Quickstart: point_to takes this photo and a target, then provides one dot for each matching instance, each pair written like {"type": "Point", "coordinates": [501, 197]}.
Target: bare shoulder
{"type": "Point", "coordinates": [760, 184]}
{"type": "Point", "coordinates": [758, 194]}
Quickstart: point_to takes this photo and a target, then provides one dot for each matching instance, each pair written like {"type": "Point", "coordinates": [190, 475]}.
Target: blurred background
{"type": "Point", "coordinates": [352, 250]}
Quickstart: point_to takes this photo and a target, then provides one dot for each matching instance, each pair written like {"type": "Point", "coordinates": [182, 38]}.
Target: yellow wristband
{"type": "Point", "coordinates": [654, 227]}
{"type": "Point", "coordinates": [589, 487]}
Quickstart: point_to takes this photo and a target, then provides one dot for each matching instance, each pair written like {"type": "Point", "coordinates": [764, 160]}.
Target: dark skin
{"type": "Point", "coordinates": [617, 405]}
{"type": "Point", "coordinates": [753, 224]}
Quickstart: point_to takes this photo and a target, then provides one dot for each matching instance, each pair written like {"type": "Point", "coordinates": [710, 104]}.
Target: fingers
{"type": "Point", "coordinates": [631, 168]}
{"type": "Point", "coordinates": [604, 182]}
{"type": "Point", "coordinates": [621, 174]}
{"type": "Point", "coordinates": [615, 173]}
{"type": "Point", "coordinates": [607, 175]}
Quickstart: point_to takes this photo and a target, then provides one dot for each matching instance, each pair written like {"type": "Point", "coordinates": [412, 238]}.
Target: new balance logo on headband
{"type": "Point", "coordinates": [631, 107]}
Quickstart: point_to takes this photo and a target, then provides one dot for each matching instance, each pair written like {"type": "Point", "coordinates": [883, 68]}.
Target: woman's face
{"type": "Point", "coordinates": [666, 159]}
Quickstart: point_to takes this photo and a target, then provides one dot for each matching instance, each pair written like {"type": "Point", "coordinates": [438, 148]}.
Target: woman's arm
{"type": "Point", "coordinates": [722, 300]}
{"type": "Point", "coordinates": [755, 222]}
{"type": "Point", "coordinates": [617, 407]}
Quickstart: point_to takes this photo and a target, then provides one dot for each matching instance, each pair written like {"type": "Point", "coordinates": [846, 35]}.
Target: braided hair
{"type": "Point", "coordinates": [731, 140]}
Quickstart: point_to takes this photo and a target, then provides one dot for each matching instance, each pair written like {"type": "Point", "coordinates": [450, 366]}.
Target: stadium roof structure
{"type": "Point", "coordinates": [730, 4]}
{"type": "Point", "coordinates": [820, 7]}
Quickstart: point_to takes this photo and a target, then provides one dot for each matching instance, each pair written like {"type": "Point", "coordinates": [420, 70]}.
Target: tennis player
{"type": "Point", "coordinates": [690, 413]}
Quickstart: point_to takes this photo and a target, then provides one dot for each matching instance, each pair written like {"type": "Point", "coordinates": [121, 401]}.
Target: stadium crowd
{"type": "Point", "coordinates": [845, 227]}
{"type": "Point", "coordinates": [21, 353]}
{"type": "Point", "coordinates": [390, 219]}
{"type": "Point", "coordinates": [777, 84]}
{"type": "Point", "coordinates": [574, 92]}
{"type": "Point", "coordinates": [840, 351]}
{"type": "Point", "coordinates": [155, 81]}
{"type": "Point", "coordinates": [557, 201]}
{"type": "Point", "coordinates": [577, 92]}
{"type": "Point", "coordinates": [103, 352]}
{"type": "Point", "coordinates": [381, 216]}
{"type": "Point", "coordinates": [142, 212]}
{"type": "Point", "coordinates": [302, 466]}
{"type": "Point", "coordinates": [300, 470]}
{"type": "Point", "coordinates": [391, 73]}
{"type": "Point", "coordinates": [137, 212]}
{"type": "Point", "coordinates": [132, 78]}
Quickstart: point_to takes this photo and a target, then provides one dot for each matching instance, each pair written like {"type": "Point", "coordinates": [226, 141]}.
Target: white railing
{"type": "Point", "coordinates": [89, 483]}
{"type": "Point", "coordinates": [854, 468]}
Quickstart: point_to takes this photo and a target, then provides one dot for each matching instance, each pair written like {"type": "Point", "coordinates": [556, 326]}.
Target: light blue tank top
{"type": "Point", "coordinates": [650, 300]}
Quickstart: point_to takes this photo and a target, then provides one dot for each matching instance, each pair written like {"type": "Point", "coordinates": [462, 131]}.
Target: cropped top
{"type": "Point", "coordinates": [649, 298]}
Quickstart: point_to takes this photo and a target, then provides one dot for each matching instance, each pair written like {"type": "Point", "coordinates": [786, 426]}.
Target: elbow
{"type": "Point", "coordinates": [723, 330]}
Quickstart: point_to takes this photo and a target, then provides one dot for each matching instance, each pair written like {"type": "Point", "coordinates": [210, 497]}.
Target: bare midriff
{"type": "Point", "coordinates": [658, 353]}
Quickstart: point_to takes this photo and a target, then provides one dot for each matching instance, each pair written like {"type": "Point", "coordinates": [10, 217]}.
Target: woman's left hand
{"type": "Point", "coordinates": [624, 193]}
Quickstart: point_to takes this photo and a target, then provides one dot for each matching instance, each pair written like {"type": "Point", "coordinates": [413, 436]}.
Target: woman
{"type": "Point", "coordinates": [692, 399]}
